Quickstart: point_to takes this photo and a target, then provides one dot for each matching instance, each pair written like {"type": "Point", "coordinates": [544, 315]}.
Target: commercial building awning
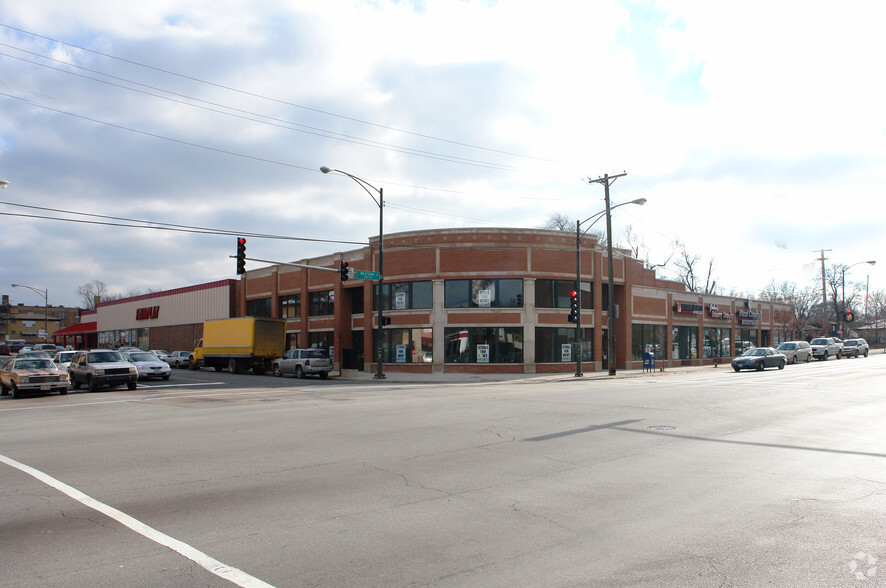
{"type": "Point", "coordinates": [78, 329]}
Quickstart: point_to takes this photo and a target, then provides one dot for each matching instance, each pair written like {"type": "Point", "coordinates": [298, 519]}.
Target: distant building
{"type": "Point", "coordinates": [20, 322]}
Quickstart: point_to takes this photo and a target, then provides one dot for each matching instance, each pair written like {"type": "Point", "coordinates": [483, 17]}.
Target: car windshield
{"type": "Point", "coordinates": [850, 343]}
{"type": "Point", "coordinates": [34, 364]}
{"type": "Point", "coordinates": [787, 346]}
{"type": "Point", "coordinates": [145, 356]}
{"type": "Point", "coordinates": [819, 341]}
{"type": "Point", "coordinates": [757, 351]}
{"type": "Point", "coordinates": [103, 357]}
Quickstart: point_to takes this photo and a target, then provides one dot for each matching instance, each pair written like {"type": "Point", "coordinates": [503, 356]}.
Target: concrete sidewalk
{"type": "Point", "coordinates": [463, 378]}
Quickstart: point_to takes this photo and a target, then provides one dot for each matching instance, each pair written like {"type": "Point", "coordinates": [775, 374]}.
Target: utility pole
{"type": "Point", "coordinates": [824, 289]}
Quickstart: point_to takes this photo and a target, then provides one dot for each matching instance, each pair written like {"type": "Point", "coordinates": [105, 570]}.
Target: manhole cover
{"type": "Point", "coordinates": [661, 427]}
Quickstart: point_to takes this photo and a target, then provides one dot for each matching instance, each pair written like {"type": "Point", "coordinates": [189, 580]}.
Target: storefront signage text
{"type": "Point", "coordinates": [688, 308]}
{"type": "Point", "coordinates": [715, 313]}
{"type": "Point", "coordinates": [146, 313]}
{"type": "Point", "coordinates": [749, 317]}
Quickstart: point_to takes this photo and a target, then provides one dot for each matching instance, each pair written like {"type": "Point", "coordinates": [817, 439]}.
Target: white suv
{"type": "Point", "coordinates": [825, 347]}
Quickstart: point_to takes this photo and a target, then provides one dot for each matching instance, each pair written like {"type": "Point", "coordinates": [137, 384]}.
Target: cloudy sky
{"type": "Point", "coordinates": [755, 130]}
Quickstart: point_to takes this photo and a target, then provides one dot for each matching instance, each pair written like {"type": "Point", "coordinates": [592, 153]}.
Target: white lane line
{"type": "Point", "coordinates": [214, 566]}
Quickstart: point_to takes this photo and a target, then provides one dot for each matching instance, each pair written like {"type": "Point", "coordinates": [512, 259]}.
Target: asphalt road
{"type": "Point", "coordinates": [703, 478]}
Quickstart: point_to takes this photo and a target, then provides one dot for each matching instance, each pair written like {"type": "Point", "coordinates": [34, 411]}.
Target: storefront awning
{"type": "Point", "coordinates": [78, 329]}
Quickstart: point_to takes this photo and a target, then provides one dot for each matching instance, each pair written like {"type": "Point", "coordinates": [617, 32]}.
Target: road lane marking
{"type": "Point", "coordinates": [226, 572]}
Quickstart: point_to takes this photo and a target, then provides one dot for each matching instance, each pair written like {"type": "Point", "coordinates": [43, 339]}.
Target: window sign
{"type": "Point", "coordinates": [566, 352]}
{"type": "Point", "coordinates": [401, 353]}
{"type": "Point", "coordinates": [483, 353]}
{"type": "Point", "coordinates": [400, 301]}
{"type": "Point", "coordinates": [484, 298]}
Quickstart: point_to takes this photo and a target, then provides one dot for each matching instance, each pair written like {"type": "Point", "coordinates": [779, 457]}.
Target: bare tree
{"type": "Point", "coordinates": [802, 300]}
{"type": "Point", "coordinates": [89, 292]}
{"type": "Point", "coordinates": [558, 222]}
{"type": "Point", "coordinates": [691, 270]}
{"type": "Point", "coordinates": [877, 314]}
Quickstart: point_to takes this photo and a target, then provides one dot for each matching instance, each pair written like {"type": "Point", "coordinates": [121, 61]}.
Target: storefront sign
{"type": "Point", "coordinates": [484, 298]}
{"type": "Point", "coordinates": [749, 317]}
{"type": "Point", "coordinates": [688, 308]}
{"type": "Point", "coordinates": [148, 312]}
{"type": "Point", "coordinates": [400, 301]}
{"type": "Point", "coordinates": [715, 313]}
{"type": "Point", "coordinates": [401, 353]}
{"type": "Point", "coordinates": [482, 353]}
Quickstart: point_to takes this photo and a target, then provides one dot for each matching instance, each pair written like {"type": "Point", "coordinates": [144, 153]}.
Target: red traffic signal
{"type": "Point", "coordinates": [241, 255]}
{"type": "Point", "coordinates": [573, 307]}
{"type": "Point", "coordinates": [343, 270]}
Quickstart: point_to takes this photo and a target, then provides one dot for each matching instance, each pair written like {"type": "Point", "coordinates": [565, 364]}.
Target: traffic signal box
{"type": "Point", "coordinates": [573, 312]}
{"type": "Point", "coordinates": [241, 256]}
{"type": "Point", "coordinates": [343, 270]}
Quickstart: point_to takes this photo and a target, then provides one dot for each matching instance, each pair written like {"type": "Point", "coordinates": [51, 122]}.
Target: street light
{"type": "Point", "coordinates": [611, 318]}
{"type": "Point", "coordinates": [380, 202]}
{"type": "Point", "coordinates": [45, 304]}
{"type": "Point", "coordinates": [843, 309]}
{"type": "Point", "coordinates": [3, 183]}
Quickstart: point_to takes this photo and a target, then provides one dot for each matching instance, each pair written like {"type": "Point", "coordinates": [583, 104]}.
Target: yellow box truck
{"type": "Point", "coordinates": [240, 344]}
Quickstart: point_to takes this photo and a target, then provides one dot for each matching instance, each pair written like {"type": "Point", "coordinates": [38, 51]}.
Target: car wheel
{"type": "Point", "coordinates": [839, 355]}
{"type": "Point", "coordinates": [793, 360]}
{"type": "Point", "coordinates": [824, 356]}
{"type": "Point", "coordinates": [90, 383]}
{"type": "Point", "coordinates": [737, 369]}
{"type": "Point", "coordinates": [865, 352]}
{"type": "Point", "coordinates": [277, 371]}
{"type": "Point", "coordinates": [16, 393]}
{"type": "Point", "coordinates": [299, 372]}
{"type": "Point", "coordinates": [131, 385]}
{"type": "Point", "coordinates": [760, 366]}
{"type": "Point", "coordinates": [808, 358]}
{"type": "Point", "coordinates": [781, 365]}
{"type": "Point", "coordinates": [4, 391]}
{"type": "Point", "coordinates": [63, 391]}
{"type": "Point", "coordinates": [233, 366]}
{"type": "Point", "coordinates": [166, 377]}
{"type": "Point", "coordinates": [324, 375]}
{"type": "Point", "coordinates": [75, 384]}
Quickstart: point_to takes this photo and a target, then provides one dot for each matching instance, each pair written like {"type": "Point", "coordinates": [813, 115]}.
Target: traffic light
{"type": "Point", "coordinates": [241, 255]}
{"type": "Point", "coordinates": [343, 270]}
{"type": "Point", "coordinates": [573, 312]}
{"type": "Point", "coordinates": [848, 317]}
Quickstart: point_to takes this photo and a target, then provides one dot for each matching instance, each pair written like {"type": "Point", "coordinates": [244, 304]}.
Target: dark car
{"type": "Point", "coordinates": [856, 347]}
{"type": "Point", "coordinates": [759, 358]}
{"type": "Point", "coordinates": [4, 349]}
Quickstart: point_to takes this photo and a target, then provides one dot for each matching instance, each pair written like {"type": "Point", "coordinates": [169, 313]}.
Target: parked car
{"type": "Point", "coordinates": [160, 353]}
{"type": "Point", "coordinates": [824, 347]}
{"type": "Point", "coordinates": [759, 358]}
{"type": "Point", "coordinates": [34, 353]}
{"type": "Point", "coordinates": [63, 359]}
{"type": "Point", "coordinates": [4, 349]}
{"type": "Point", "coordinates": [124, 348]}
{"type": "Point", "coordinates": [796, 351]}
{"type": "Point", "coordinates": [148, 364]}
{"type": "Point", "coordinates": [32, 374]}
{"type": "Point", "coordinates": [47, 347]}
{"type": "Point", "coordinates": [300, 362]}
{"type": "Point", "coordinates": [101, 367]}
{"type": "Point", "coordinates": [856, 347]}
{"type": "Point", "coordinates": [178, 359]}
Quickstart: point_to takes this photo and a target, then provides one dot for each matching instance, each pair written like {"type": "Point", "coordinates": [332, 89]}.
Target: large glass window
{"type": "Point", "coordinates": [498, 293]}
{"type": "Point", "coordinates": [557, 294]}
{"type": "Point", "coordinates": [260, 307]}
{"type": "Point", "coordinates": [321, 340]}
{"type": "Point", "coordinates": [648, 338]}
{"type": "Point", "coordinates": [717, 342]}
{"type": "Point", "coordinates": [550, 341]}
{"type": "Point", "coordinates": [290, 306]}
{"type": "Point", "coordinates": [321, 303]}
{"type": "Point", "coordinates": [484, 344]}
{"type": "Point", "coordinates": [685, 343]}
{"type": "Point", "coordinates": [746, 339]}
{"type": "Point", "coordinates": [405, 295]}
{"type": "Point", "coordinates": [408, 345]}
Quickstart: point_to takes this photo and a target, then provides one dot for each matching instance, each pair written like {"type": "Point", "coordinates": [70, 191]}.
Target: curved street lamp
{"type": "Point", "coordinates": [610, 318]}
{"type": "Point", "coordinates": [380, 202]}
{"type": "Point", "coordinates": [45, 294]}
{"type": "Point", "coordinates": [843, 295]}
{"type": "Point", "coordinates": [3, 183]}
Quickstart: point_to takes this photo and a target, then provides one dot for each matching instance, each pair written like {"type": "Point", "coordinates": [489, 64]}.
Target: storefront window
{"type": "Point", "coordinates": [557, 294]}
{"type": "Point", "coordinates": [408, 346]}
{"type": "Point", "coordinates": [484, 344]}
{"type": "Point", "coordinates": [321, 340]}
{"type": "Point", "coordinates": [549, 342]}
{"type": "Point", "coordinates": [406, 295]}
{"type": "Point", "coordinates": [685, 343]}
{"type": "Point", "coordinates": [648, 338]}
{"type": "Point", "coordinates": [260, 307]}
{"type": "Point", "coordinates": [746, 339]}
{"type": "Point", "coordinates": [290, 306]}
{"type": "Point", "coordinates": [321, 303]}
{"type": "Point", "coordinates": [503, 293]}
{"type": "Point", "coordinates": [717, 342]}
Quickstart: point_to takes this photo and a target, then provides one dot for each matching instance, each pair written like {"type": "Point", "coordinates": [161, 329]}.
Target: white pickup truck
{"type": "Point", "coordinates": [825, 347]}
